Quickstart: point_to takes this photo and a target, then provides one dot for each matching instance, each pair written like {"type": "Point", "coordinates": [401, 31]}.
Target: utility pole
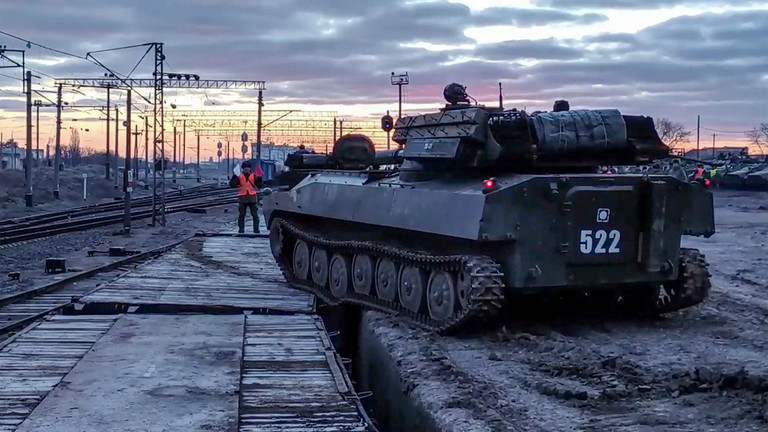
{"type": "Point", "coordinates": [229, 160]}
{"type": "Point", "coordinates": [258, 129]}
{"type": "Point", "coordinates": [57, 158]}
{"type": "Point", "coordinates": [713, 145]}
{"type": "Point", "coordinates": [28, 159]}
{"type": "Point", "coordinates": [334, 130]}
{"type": "Point", "coordinates": [218, 163]}
{"type": "Point", "coordinates": [127, 181]}
{"type": "Point", "coordinates": [135, 165]}
{"type": "Point", "coordinates": [184, 146]}
{"type": "Point", "coordinates": [146, 151]}
{"type": "Point", "coordinates": [117, 144]}
{"type": "Point", "coordinates": [38, 104]}
{"type": "Point", "coordinates": [198, 157]}
{"type": "Point", "coordinates": [174, 154]}
{"type": "Point", "coordinates": [698, 133]}
{"type": "Point", "coordinates": [388, 141]}
{"type": "Point", "coordinates": [107, 162]}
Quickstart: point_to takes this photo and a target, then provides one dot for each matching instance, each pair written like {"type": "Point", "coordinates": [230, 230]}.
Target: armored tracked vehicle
{"type": "Point", "coordinates": [489, 205]}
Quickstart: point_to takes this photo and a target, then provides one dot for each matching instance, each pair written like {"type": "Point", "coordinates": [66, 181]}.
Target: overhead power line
{"type": "Point", "coordinates": [725, 131]}
{"type": "Point", "coordinates": [42, 46]}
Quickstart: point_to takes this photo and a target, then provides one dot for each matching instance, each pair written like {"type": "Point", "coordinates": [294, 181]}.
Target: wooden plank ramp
{"type": "Point", "coordinates": [34, 362]}
{"type": "Point", "coordinates": [293, 379]}
{"type": "Point", "coordinates": [215, 272]}
{"type": "Point", "coordinates": [141, 367]}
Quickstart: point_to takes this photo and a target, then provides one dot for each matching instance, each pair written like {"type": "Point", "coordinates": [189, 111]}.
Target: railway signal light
{"type": "Point", "coordinates": [387, 123]}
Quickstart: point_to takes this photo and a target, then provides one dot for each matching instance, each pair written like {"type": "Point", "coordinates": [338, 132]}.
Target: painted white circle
{"type": "Point", "coordinates": [602, 215]}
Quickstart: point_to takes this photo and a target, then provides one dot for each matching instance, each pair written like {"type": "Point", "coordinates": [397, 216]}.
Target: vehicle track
{"type": "Point", "coordinates": [485, 279]}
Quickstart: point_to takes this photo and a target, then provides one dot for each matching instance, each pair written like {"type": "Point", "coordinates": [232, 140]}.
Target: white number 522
{"type": "Point", "coordinates": [594, 242]}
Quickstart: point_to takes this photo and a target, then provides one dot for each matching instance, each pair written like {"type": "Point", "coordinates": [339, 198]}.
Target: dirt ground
{"type": "Point", "coordinates": [703, 369]}
{"type": "Point", "coordinates": [98, 189]}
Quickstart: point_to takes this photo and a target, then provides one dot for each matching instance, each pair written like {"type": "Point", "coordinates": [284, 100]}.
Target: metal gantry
{"type": "Point", "coordinates": [166, 83]}
{"type": "Point", "coordinates": [309, 131]}
{"type": "Point", "coordinates": [158, 199]}
{"type": "Point", "coordinates": [158, 83]}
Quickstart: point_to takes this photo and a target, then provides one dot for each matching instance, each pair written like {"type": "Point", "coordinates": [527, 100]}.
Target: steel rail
{"type": "Point", "coordinates": [81, 225]}
{"type": "Point", "coordinates": [96, 208]}
{"type": "Point", "coordinates": [54, 287]}
{"type": "Point", "coordinates": [28, 226]}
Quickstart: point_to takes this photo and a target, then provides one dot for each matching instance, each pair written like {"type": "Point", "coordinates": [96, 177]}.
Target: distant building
{"type": "Point", "coordinates": [12, 156]}
{"type": "Point", "coordinates": [706, 153]}
{"type": "Point", "coordinates": [277, 152]}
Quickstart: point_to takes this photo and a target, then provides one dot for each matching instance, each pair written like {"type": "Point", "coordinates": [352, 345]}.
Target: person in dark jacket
{"type": "Point", "coordinates": [247, 197]}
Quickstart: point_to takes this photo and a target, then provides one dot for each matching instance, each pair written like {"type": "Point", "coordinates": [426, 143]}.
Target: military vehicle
{"type": "Point", "coordinates": [758, 178]}
{"type": "Point", "coordinates": [491, 204]}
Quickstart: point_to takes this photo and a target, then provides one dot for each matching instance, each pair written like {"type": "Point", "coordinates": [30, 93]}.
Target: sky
{"type": "Point", "coordinates": [662, 58]}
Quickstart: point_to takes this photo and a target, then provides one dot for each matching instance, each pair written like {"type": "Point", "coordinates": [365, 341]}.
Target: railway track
{"type": "Point", "coordinates": [22, 308]}
{"type": "Point", "coordinates": [46, 225]}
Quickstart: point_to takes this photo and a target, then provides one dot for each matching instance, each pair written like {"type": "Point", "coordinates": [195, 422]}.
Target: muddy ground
{"type": "Point", "coordinates": [703, 369]}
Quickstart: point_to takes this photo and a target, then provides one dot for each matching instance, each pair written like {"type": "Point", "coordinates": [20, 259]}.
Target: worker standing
{"type": "Point", "coordinates": [699, 172]}
{"type": "Point", "coordinates": [247, 196]}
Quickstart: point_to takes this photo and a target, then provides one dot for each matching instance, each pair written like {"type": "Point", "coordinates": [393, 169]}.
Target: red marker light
{"type": "Point", "coordinates": [489, 184]}
{"type": "Point", "coordinates": [707, 182]}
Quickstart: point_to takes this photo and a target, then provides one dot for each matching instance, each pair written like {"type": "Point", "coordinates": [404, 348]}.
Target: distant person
{"type": "Point", "coordinates": [302, 150]}
{"type": "Point", "coordinates": [247, 197]}
{"type": "Point", "coordinates": [699, 172]}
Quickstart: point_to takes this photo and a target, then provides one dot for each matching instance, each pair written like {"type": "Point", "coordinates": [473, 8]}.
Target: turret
{"type": "Point", "coordinates": [462, 135]}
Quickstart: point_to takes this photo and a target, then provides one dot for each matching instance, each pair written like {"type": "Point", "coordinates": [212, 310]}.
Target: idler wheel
{"type": "Point", "coordinates": [301, 260]}
{"type": "Point", "coordinates": [441, 295]}
{"type": "Point", "coordinates": [413, 280]}
{"type": "Point", "coordinates": [386, 280]}
{"type": "Point", "coordinates": [319, 266]}
{"type": "Point", "coordinates": [362, 273]}
{"type": "Point", "coordinates": [340, 279]}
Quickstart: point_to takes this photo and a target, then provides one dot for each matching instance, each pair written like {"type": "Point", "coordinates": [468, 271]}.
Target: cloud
{"type": "Point", "coordinates": [630, 4]}
{"type": "Point", "coordinates": [336, 52]}
{"type": "Point", "coordinates": [531, 17]}
{"type": "Point", "coordinates": [528, 49]}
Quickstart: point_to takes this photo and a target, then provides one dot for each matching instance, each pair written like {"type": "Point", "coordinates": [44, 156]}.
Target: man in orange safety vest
{"type": "Point", "coordinates": [247, 197]}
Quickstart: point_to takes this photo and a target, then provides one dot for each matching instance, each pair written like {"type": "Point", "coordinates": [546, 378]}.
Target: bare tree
{"type": "Point", "coordinates": [672, 133]}
{"type": "Point", "coordinates": [73, 153]}
{"type": "Point", "coordinates": [758, 136]}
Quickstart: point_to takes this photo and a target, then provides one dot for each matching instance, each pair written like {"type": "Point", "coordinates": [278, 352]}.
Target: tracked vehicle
{"type": "Point", "coordinates": [489, 205]}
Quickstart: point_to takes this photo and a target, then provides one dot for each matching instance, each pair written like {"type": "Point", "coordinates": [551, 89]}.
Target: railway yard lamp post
{"type": "Point", "coordinates": [399, 80]}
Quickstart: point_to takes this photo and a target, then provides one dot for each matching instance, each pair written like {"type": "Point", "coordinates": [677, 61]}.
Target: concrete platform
{"type": "Point", "coordinates": [207, 273]}
{"type": "Point", "coordinates": [151, 373]}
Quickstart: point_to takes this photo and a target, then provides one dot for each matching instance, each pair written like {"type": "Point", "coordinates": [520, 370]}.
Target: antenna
{"type": "Point", "coordinates": [501, 99]}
